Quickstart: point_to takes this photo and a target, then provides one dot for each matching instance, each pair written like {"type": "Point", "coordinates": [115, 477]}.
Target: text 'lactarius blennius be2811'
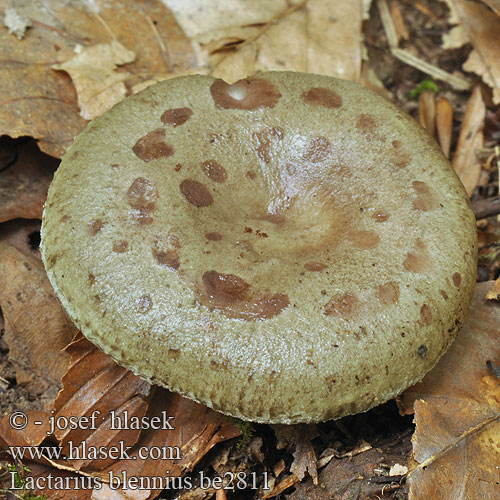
{"type": "Point", "coordinates": [288, 248]}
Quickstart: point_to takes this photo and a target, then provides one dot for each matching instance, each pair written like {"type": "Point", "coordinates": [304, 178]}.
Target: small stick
{"type": "Point", "coordinates": [437, 73]}
{"type": "Point", "coordinates": [487, 207]}
{"type": "Point", "coordinates": [387, 23]}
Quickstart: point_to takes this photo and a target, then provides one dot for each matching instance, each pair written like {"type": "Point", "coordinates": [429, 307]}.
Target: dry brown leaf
{"type": "Point", "coordinates": [312, 36]}
{"type": "Point", "coordinates": [24, 183]}
{"type": "Point", "coordinates": [444, 124]}
{"type": "Point", "coordinates": [36, 327]}
{"type": "Point", "coordinates": [22, 234]}
{"type": "Point", "coordinates": [427, 111]}
{"type": "Point", "coordinates": [196, 430]}
{"type": "Point", "coordinates": [370, 80]}
{"type": "Point", "coordinates": [494, 5]}
{"type": "Point", "coordinates": [95, 385]}
{"type": "Point", "coordinates": [465, 162]}
{"type": "Point", "coordinates": [356, 475]}
{"type": "Point", "coordinates": [199, 18]}
{"type": "Point", "coordinates": [282, 486]}
{"type": "Point", "coordinates": [494, 291]}
{"type": "Point", "coordinates": [32, 435]}
{"type": "Point", "coordinates": [98, 86]}
{"type": "Point", "coordinates": [482, 27]}
{"type": "Point", "coordinates": [39, 102]}
{"type": "Point", "coordinates": [304, 455]}
{"type": "Point", "coordinates": [475, 64]}
{"type": "Point", "coordinates": [457, 37]}
{"type": "Point", "coordinates": [456, 446]}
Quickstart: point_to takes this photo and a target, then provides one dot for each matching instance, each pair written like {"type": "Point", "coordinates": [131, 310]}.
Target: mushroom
{"type": "Point", "coordinates": [288, 248]}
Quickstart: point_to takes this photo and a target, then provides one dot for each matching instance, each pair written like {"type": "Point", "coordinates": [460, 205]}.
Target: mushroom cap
{"type": "Point", "coordinates": [289, 248]}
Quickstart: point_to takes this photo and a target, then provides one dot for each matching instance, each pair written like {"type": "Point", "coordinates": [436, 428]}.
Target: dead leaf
{"type": "Point", "coordinates": [363, 475]}
{"type": "Point", "coordinates": [37, 101]}
{"type": "Point", "coordinates": [494, 5]}
{"type": "Point", "coordinates": [196, 430]}
{"type": "Point", "coordinates": [36, 327]}
{"type": "Point", "coordinates": [444, 124]}
{"type": "Point", "coordinates": [456, 446]}
{"type": "Point", "coordinates": [457, 37]}
{"type": "Point", "coordinates": [282, 486]}
{"type": "Point", "coordinates": [22, 234]}
{"type": "Point", "coordinates": [465, 162]}
{"type": "Point", "coordinates": [482, 27]}
{"type": "Point", "coordinates": [494, 291]}
{"type": "Point", "coordinates": [95, 385]}
{"type": "Point", "coordinates": [24, 183]}
{"type": "Point", "coordinates": [427, 111]}
{"type": "Point", "coordinates": [312, 36]}
{"type": "Point", "coordinates": [98, 86]}
{"type": "Point", "coordinates": [304, 454]}
{"type": "Point", "coordinates": [36, 430]}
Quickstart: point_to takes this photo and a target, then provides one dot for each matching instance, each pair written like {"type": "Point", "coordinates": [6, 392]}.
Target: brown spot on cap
{"type": "Point", "coordinates": [225, 287]}
{"type": "Point", "coordinates": [315, 266]}
{"type": "Point", "coordinates": [418, 261]}
{"type": "Point", "coordinates": [426, 198]}
{"type": "Point", "coordinates": [165, 250]}
{"type": "Point", "coordinates": [400, 157]}
{"type": "Point", "coordinates": [366, 123]}
{"type": "Point", "coordinates": [233, 296]}
{"type": "Point", "coordinates": [249, 93]}
{"type": "Point", "coordinates": [250, 174]}
{"type": "Point", "coordinates": [176, 116]}
{"type": "Point", "coordinates": [443, 294]}
{"type": "Point", "coordinates": [388, 293]}
{"type": "Point", "coordinates": [426, 314]}
{"type": "Point", "coordinates": [380, 216]}
{"type": "Point", "coordinates": [94, 226]}
{"type": "Point", "coordinates": [274, 218]}
{"type": "Point", "coordinates": [265, 139]}
{"type": "Point", "coordinates": [153, 146]}
{"type": "Point", "coordinates": [173, 353]}
{"type": "Point", "coordinates": [196, 193]}
{"type": "Point", "coordinates": [169, 258]}
{"type": "Point", "coordinates": [213, 236]}
{"type": "Point", "coordinates": [346, 306]}
{"type": "Point", "coordinates": [214, 171]}
{"type": "Point", "coordinates": [142, 195]}
{"type": "Point", "coordinates": [319, 96]}
{"type": "Point", "coordinates": [364, 239]}
{"type": "Point", "coordinates": [318, 149]}
{"type": "Point", "coordinates": [145, 303]}
{"type": "Point", "coordinates": [120, 246]}
{"type": "Point", "coordinates": [457, 279]}
{"type": "Point", "coordinates": [91, 279]}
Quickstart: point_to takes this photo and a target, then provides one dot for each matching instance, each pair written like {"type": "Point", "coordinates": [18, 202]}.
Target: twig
{"type": "Point", "coordinates": [437, 73]}
{"type": "Point", "coordinates": [387, 23]}
{"type": "Point", "coordinates": [486, 207]}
